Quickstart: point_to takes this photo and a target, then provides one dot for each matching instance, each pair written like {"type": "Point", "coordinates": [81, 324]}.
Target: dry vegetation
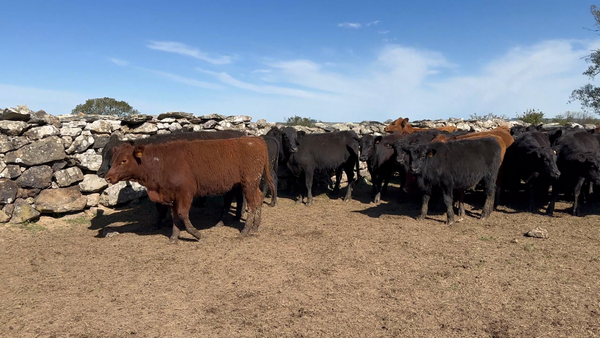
{"type": "Point", "coordinates": [331, 270]}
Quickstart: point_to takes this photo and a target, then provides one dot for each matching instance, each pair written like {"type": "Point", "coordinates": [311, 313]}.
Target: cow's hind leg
{"type": "Point", "coordinates": [161, 213]}
{"type": "Point", "coordinates": [349, 169]}
{"type": "Point", "coordinates": [448, 200]}
{"type": "Point", "coordinates": [308, 180]}
{"type": "Point", "coordinates": [490, 193]}
{"type": "Point", "coordinates": [174, 239]}
{"type": "Point", "coordinates": [254, 202]}
{"type": "Point", "coordinates": [183, 211]}
{"type": "Point", "coordinates": [576, 192]}
{"type": "Point", "coordinates": [338, 180]}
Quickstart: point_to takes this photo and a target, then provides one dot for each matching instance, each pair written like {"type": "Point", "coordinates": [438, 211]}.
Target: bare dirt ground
{"type": "Point", "coordinates": [334, 269]}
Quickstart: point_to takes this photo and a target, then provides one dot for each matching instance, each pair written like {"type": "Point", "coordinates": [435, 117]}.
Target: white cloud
{"type": "Point", "coordinates": [264, 89]}
{"type": "Point", "coordinates": [183, 49]}
{"type": "Point", "coordinates": [182, 79]}
{"type": "Point", "coordinates": [383, 32]}
{"type": "Point", "coordinates": [349, 25]}
{"type": "Point", "coordinates": [118, 62]}
{"type": "Point", "coordinates": [372, 23]}
{"type": "Point", "coordinates": [262, 71]}
{"type": "Point", "coordinates": [420, 84]}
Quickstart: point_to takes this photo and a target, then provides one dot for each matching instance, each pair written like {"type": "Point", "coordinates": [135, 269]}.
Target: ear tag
{"type": "Point", "coordinates": [138, 154]}
{"type": "Point", "coordinates": [429, 155]}
{"type": "Point", "coordinates": [554, 152]}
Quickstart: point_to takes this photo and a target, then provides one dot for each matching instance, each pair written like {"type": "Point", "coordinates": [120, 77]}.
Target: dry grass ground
{"type": "Point", "coordinates": [331, 270]}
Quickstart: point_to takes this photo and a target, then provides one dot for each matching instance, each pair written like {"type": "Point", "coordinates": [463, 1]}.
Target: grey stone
{"type": "Point", "coordinates": [262, 123]}
{"type": "Point", "coordinates": [36, 177]}
{"type": "Point", "coordinates": [68, 176]}
{"type": "Point", "coordinates": [40, 117]}
{"type": "Point", "coordinates": [167, 120]}
{"type": "Point", "coordinates": [136, 119]}
{"type": "Point", "coordinates": [18, 141]}
{"type": "Point", "coordinates": [145, 128]}
{"type": "Point", "coordinates": [210, 124]}
{"type": "Point", "coordinates": [92, 200]}
{"type": "Point", "coordinates": [4, 217]}
{"type": "Point", "coordinates": [56, 166]}
{"type": "Point", "coordinates": [223, 125]}
{"type": "Point", "coordinates": [81, 143]}
{"type": "Point", "coordinates": [21, 113]}
{"type": "Point", "coordinates": [2, 166]}
{"type": "Point", "coordinates": [103, 126]}
{"type": "Point", "coordinates": [11, 171]}
{"type": "Point", "coordinates": [42, 151]}
{"type": "Point", "coordinates": [175, 114]}
{"type": "Point", "coordinates": [162, 132]}
{"type": "Point", "coordinates": [92, 183]}
{"type": "Point", "coordinates": [100, 140]}
{"type": "Point", "coordinates": [121, 192]}
{"type": "Point", "coordinates": [175, 126]}
{"type": "Point", "coordinates": [237, 119]}
{"type": "Point", "coordinates": [8, 191]}
{"type": "Point", "coordinates": [37, 133]}
{"type": "Point", "coordinates": [12, 128]}
{"type": "Point", "coordinates": [8, 209]}
{"type": "Point", "coordinates": [88, 160]}
{"type": "Point", "coordinates": [463, 126]}
{"type": "Point", "coordinates": [66, 141]}
{"type": "Point", "coordinates": [5, 144]}
{"type": "Point", "coordinates": [217, 117]}
{"type": "Point", "coordinates": [70, 131]}
{"type": "Point", "coordinates": [61, 200]}
{"type": "Point", "coordinates": [538, 233]}
{"type": "Point", "coordinates": [23, 212]}
{"type": "Point", "coordinates": [27, 193]}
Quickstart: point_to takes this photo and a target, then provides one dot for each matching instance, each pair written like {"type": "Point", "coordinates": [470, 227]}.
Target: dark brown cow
{"type": "Point", "coordinates": [175, 172]}
{"type": "Point", "coordinates": [402, 126]}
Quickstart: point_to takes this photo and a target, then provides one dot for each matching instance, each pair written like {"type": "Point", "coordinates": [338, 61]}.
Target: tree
{"type": "Point", "coordinates": [300, 121]}
{"type": "Point", "coordinates": [589, 95]}
{"type": "Point", "coordinates": [104, 106]}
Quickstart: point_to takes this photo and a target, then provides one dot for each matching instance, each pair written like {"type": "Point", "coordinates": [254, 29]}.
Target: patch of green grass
{"type": "Point", "coordinates": [529, 247]}
{"type": "Point", "coordinates": [511, 261]}
{"type": "Point", "coordinates": [29, 226]}
{"type": "Point", "coordinates": [78, 221]}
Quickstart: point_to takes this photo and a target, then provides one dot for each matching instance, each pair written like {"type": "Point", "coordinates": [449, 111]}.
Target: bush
{"type": "Point", "coordinates": [486, 117]}
{"type": "Point", "coordinates": [104, 106]}
{"type": "Point", "coordinates": [300, 121]}
{"type": "Point", "coordinates": [576, 117]}
{"type": "Point", "coordinates": [532, 116]}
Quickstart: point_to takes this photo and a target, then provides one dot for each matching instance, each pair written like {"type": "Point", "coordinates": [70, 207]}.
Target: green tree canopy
{"type": "Point", "coordinates": [589, 95]}
{"type": "Point", "coordinates": [300, 121]}
{"type": "Point", "coordinates": [105, 106]}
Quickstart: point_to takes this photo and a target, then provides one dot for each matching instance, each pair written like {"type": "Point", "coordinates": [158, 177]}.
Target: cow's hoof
{"type": "Point", "coordinates": [173, 240]}
{"type": "Point", "coordinates": [219, 224]}
{"type": "Point", "coordinates": [420, 218]}
{"type": "Point", "coordinates": [449, 223]}
{"type": "Point", "coordinates": [460, 219]}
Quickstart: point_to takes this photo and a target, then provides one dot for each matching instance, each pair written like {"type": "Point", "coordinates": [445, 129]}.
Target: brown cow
{"type": "Point", "coordinates": [401, 125]}
{"type": "Point", "coordinates": [176, 172]}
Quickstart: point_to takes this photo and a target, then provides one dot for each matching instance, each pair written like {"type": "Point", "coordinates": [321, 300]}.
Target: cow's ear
{"type": "Point", "coordinates": [138, 151]}
{"type": "Point", "coordinates": [581, 157]}
{"type": "Point", "coordinates": [431, 152]}
{"type": "Point", "coordinates": [377, 139]}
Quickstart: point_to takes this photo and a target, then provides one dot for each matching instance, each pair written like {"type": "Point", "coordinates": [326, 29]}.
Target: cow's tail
{"type": "Point", "coordinates": [269, 179]}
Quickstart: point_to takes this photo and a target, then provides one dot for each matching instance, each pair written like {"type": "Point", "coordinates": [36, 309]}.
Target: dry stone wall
{"type": "Point", "coordinates": [48, 163]}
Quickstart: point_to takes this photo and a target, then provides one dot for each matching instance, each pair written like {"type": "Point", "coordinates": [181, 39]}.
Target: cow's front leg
{"type": "Point", "coordinates": [576, 192]}
{"type": "Point", "coordinates": [424, 205]}
{"type": "Point", "coordinates": [183, 210]}
{"type": "Point", "coordinates": [308, 180]}
{"type": "Point", "coordinates": [448, 199]}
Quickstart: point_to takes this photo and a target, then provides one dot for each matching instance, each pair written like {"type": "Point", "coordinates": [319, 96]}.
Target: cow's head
{"type": "Point", "coordinates": [418, 157]}
{"type": "Point", "coordinates": [125, 162]}
{"type": "Point", "coordinates": [107, 154]}
{"type": "Point", "coordinates": [290, 139]}
{"type": "Point", "coordinates": [365, 146]}
{"type": "Point", "coordinates": [591, 160]}
{"type": "Point", "coordinates": [400, 124]}
{"type": "Point", "coordinates": [546, 161]}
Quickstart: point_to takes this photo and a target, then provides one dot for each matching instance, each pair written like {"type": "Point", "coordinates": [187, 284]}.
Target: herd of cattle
{"type": "Point", "coordinates": [176, 168]}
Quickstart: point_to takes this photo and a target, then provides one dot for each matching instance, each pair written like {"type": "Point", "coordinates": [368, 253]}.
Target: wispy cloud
{"type": "Point", "coordinates": [262, 71]}
{"type": "Point", "coordinates": [182, 79]}
{"type": "Point", "coordinates": [264, 89]}
{"type": "Point", "coordinates": [118, 62]}
{"type": "Point", "coordinates": [372, 23]}
{"type": "Point", "coordinates": [383, 32]}
{"type": "Point", "coordinates": [350, 25]}
{"type": "Point", "coordinates": [183, 49]}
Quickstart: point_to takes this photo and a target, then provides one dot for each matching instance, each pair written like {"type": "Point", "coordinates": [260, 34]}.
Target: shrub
{"type": "Point", "coordinates": [532, 116]}
{"type": "Point", "coordinates": [576, 117]}
{"type": "Point", "coordinates": [300, 121]}
{"type": "Point", "coordinates": [488, 116]}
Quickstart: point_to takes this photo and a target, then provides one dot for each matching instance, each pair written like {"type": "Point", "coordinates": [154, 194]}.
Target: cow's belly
{"type": "Point", "coordinates": [156, 197]}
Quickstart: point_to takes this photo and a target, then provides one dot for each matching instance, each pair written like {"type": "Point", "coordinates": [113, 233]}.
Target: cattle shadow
{"type": "Point", "coordinates": [140, 218]}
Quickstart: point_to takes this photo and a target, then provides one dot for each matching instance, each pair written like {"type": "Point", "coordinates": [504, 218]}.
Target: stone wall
{"type": "Point", "coordinates": [48, 163]}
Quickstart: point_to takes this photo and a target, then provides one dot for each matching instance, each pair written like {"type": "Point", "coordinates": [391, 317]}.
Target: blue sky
{"type": "Point", "coordinates": [328, 60]}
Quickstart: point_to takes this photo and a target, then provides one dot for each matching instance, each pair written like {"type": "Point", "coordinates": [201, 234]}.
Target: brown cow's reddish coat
{"type": "Point", "coordinates": [174, 173]}
{"type": "Point", "coordinates": [401, 125]}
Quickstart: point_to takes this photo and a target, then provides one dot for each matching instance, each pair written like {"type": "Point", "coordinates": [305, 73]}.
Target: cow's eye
{"type": "Point", "coordinates": [124, 161]}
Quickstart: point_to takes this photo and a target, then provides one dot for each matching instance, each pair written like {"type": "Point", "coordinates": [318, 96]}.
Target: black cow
{"type": "Point", "coordinates": [162, 210]}
{"type": "Point", "coordinates": [578, 159]}
{"type": "Point", "coordinates": [382, 164]}
{"type": "Point", "coordinates": [532, 159]}
{"type": "Point", "coordinates": [275, 151]}
{"type": "Point", "coordinates": [454, 165]}
{"type": "Point", "coordinates": [329, 151]}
